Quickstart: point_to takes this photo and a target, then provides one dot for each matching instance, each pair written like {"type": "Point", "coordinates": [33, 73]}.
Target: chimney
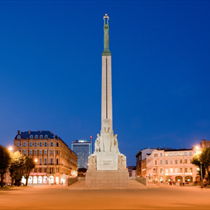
{"type": "Point", "coordinates": [18, 132]}
{"type": "Point", "coordinates": [29, 131]}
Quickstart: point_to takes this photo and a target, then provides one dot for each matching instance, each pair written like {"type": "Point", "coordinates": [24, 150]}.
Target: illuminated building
{"type": "Point", "coordinates": [164, 165]}
{"type": "Point", "coordinates": [204, 143]}
{"type": "Point", "coordinates": [55, 162]}
{"type": "Point", "coordinates": [83, 148]}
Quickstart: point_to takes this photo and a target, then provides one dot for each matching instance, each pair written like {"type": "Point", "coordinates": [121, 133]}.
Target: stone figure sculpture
{"type": "Point", "coordinates": [92, 161]}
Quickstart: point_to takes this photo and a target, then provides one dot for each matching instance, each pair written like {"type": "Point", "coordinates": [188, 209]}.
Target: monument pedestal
{"type": "Point", "coordinates": [107, 179]}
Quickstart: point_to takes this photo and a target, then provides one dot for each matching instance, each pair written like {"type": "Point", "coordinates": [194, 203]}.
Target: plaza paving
{"type": "Point", "coordinates": [60, 197]}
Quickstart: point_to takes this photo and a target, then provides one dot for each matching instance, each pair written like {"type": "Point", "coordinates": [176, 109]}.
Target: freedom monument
{"type": "Point", "coordinates": [107, 166]}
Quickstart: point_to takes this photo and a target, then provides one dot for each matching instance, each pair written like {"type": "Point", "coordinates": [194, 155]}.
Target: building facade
{"type": "Point", "coordinates": [204, 143]}
{"type": "Point", "coordinates": [140, 156]}
{"type": "Point", "coordinates": [174, 165]}
{"type": "Point", "coordinates": [83, 148]}
{"type": "Point", "coordinates": [55, 162]}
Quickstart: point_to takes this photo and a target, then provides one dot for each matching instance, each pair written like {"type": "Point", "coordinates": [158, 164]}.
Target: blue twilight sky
{"type": "Point", "coordinates": [50, 70]}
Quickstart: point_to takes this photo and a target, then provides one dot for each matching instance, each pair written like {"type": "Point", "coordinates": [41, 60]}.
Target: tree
{"type": "Point", "coordinates": [205, 160]}
{"type": "Point", "coordinates": [17, 167]}
{"type": "Point", "coordinates": [29, 165]}
{"type": "Point", "coordinates": [4, 162]}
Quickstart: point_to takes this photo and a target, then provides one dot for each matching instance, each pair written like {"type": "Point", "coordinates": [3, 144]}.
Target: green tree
{"type": "Point", "coordinates": [4, 162]}
{"type": "Point", "coordinates": [17, 167]}
{"type": "Point", "coordinates": [205, 160]}
{"type": "Point", "coordinates": [29, 165]}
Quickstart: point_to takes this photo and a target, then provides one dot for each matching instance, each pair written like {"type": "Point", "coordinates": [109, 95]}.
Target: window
{"type": "Point", "coordinates": [41, 136]}
{"type": "Point", "coordinates": [40, 169]}
{"type": "Point", "coordinates": [45, 144]}
{"type": "Point", "coordinates": [51, 144]}
{"type": "Point", "coordinates": [18, 144]}
{"type": "Point", "coordinates": [180, 161]}
{"type": "Point", "coordinates": [161, 154]}
{"type": "Point", "coordinates": [175, 153]}
{"type": "Point", "coordinates": [57, 170]}
{"type": "Point", "coordinates": [36, 136]}
{"type": "Point", "coordinates": [40, 152]}
{"type": "Point", "coordinates": [24, 144]}
{"type": "Point", "coordinates": [40, 144]}
{"type": "Point", "coordinates": [161, 170]}
{"type": "Point", "coordinates": [31, 136]}
{"type": "Point", "coordinates": [171, 154]}
{"type": "Point", "coordinates": [45, 161]}
{"type": "Point", "coordinates": [51, 152]}
{"type": "Point", "coordinates": [166, 170]}
{"type": "Point", "coordinates": [40, 161]}
{"type": "Point", "coordinates": [35, 144]}
{"type": "Point", "coordinates": [30, 152]}
{"type": "Point", "coordinates": [156, 162]}
{"type": "Point", "coordinates": [185, 153]}
{"type": "Point", "coordinates": [166, 161]}
{"type": "Point", "coordinates": [180, 153]}
{"type": "Point", "coordinates": [190, 153]}
{"type": "Point", "coordinates": [185, 161]}
{"type": "Point", "coordinates": [166, 154]}
{"type": "Point", "coordinates": [51, 161]}
{"type": "Point", "coordinates": [191, 170]}
{"type": "Point", "coordinates": [30, 144]}
{"type": "Point", "coordinates": [155, 155]}
{"type": "Point", "coordinates": [57, 144]}
{"type": "Point", "coordinates": [46, 136]}
{"type": "Point", "coordinates": [176, 162]}
{"type": "Point", "coordinates": [45, 169]}
{"type": "Point", "coordinates": [24, 152]}
{"type": "Point", "coordinates": [45, 152]}
{"type": "Point", "coordinates": [161, 161]}
{"type": "Point", "coordinates": [176, 170]}
{"type": "Point", "coordinates": [180, 170]}
{"type": "Point", "coordinates": [35, 152]}
{"type": "Point", "coordinates": [35, 170]}
{"type": "Point", "coordinates": [57, 161]}
{"type": "Point", "coordinates": [185, 170]}
{"type": "Point", "coordinates": [171, 170]}
{"type": "Point", "coordinates": [57, 152]}
{"type": "Point", "coordinates": [18, 137]}
{"type": "Point", "coordinates": [171, 161]}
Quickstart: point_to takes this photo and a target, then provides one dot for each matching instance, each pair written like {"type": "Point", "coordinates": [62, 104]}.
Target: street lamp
{"type": "Point", "coordinates": [10, 149]}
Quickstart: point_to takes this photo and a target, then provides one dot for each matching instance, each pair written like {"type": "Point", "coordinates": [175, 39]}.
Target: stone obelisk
{"type": "Point", "coordinates": [107, 166]}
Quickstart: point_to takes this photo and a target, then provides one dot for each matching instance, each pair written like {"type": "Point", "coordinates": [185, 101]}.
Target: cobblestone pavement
{"type": "Point", "coordinates": [60, 197]}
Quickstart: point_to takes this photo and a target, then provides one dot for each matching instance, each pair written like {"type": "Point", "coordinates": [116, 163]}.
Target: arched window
{"type": "Point", "coordinates": [36, 136]}
{"type": "Point", "coordinates": [41, 136]}
{"type": "Point", "coordinates": [18, 137]}
{"type": "Point", "coordinates": [57, 161]}
{"type": "Point", "coordinates": [51, 144]}
{"type": "Point", "coordinates": [46, 136]}
{"type": "Point", "coordinates": [51, 161]}
{"type": "Point", "coordinates": [45, 144]}
{"type": "Point", "coordinates": [40, 144]}
{"type": "Point", "coordinates": [24, 144]}
{"type": "Point", "coordinates": [18, 144]}
{"type": "Point", "coordinates": [31, 136]}
{"type": "Point", "coordinates": [57, 144]}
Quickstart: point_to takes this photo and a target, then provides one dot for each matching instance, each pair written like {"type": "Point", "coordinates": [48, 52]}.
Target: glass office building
{"type": "Point", "coordinates": [83, 149]}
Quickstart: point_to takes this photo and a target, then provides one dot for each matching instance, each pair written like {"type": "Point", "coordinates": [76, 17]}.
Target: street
{"type": "Point", "coordinates": [60, 197]}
